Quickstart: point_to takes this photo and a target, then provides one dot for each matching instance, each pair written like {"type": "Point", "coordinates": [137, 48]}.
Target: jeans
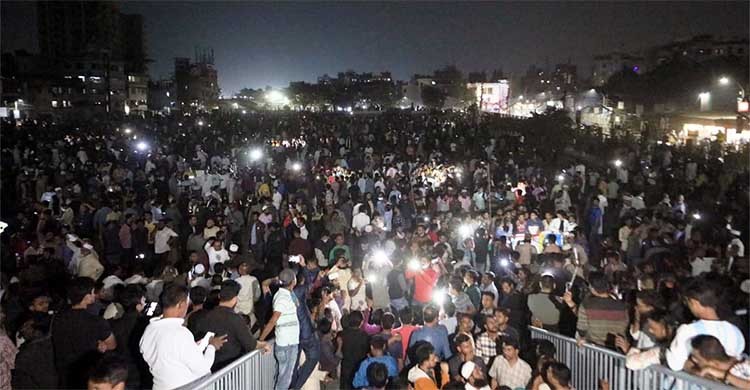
{"type": "Point", "coordinates": [399, 304]}
{"type": "Point", "coordinates": [286, 358]}
{"type": "Point", "coordinates": [311, 347]}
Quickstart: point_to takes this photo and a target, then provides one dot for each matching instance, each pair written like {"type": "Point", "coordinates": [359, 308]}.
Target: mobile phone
{"type": "Point", "coordinates": [204, 341]}
{"type": "Point", "coordinates": [151, 309]}
{"type": "Point", "coordinates": [568, 286]}
{"type": "Point", "coordinates": [294, 259]}
{"type": "Point", "coordinates": [610, 342]}
{"type": "Point", "coordinates": [333, 276]}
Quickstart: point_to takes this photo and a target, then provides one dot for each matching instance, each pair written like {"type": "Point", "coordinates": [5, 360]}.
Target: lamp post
{"type": "Point", "coordinates": [724, 80]}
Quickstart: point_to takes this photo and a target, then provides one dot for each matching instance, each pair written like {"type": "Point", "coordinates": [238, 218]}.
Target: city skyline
{"type": "Point", "coordinates": [260, 44]}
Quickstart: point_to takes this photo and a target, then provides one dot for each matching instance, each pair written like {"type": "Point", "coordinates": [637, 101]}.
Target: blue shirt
{"type": "Point", "coordinates": [360, 377]}
{"type": "Point", "coordinates": [435, 335]}
{"type": "Point", "coordinates": [306, 331]}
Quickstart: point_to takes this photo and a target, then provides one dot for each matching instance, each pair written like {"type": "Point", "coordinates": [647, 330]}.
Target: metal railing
{"type": "Point", "coordinates": [589, 363]}
{"type": "Point", "coordinates": [255, 370]}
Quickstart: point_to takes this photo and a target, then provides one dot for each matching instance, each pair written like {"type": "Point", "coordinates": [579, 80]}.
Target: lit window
{"type": "Point", "coordinates": [54, 103]}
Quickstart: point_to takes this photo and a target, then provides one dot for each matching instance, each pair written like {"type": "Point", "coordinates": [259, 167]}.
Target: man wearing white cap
{"type": "Point", "coordinates": [474, 377]}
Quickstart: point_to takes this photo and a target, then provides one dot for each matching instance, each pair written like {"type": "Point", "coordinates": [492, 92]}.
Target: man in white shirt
{"type": "Point", "coordinates": [285, 320]}
{"type": "Point", "coordinates": [249, 292]}
{"type": "Point", "coordinates": [162, 238]}
{"type": "Point", "coordinates": [702, 299]}
{"type": "Point", "coordinates": [216, 254]}
{"type": "Point", "coordinates": [168, 347]}
{"type": "Point", "coordinates": [360, 219]}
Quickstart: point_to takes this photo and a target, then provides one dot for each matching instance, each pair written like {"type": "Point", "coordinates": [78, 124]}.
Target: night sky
{"type": "Point", "coordinates": [259, 44]}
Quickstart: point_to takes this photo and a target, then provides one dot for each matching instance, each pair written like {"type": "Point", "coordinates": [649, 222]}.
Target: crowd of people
{"type": "Point", "coordinates": [371, 251]}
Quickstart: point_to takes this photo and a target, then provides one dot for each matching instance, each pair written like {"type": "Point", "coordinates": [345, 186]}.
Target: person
{"type": "Point", "coordinates": [329, 359]}
{"type": "Point", "coordinates": [488, 285]}
{"type": "Point", "coordinates": [543, 307]}
{"type": "Point", "coordinates": [309, 344]}
{"type": "Point", "coordinates": [502, 317]}
{"type": "Point", "coordinates": [79, 336]}
{"type": "Point", "coordinates": [109, 373]}
{"type": "Point", "coordinates": [169, 349]}
{"type": "Point", "coordinates": [377, 355]}
{"type": "Point", "coordinates": [353, 347]}
{"type": "Point", "coordinates": [465, 349]}
{"type": "Point", "coordinates": [422, 376]}
{"type": "Point", "coordinates": [459, 298]}
{"type": "Point", "coordinates": [555, 375]}
{"type": "Point", "coordinates": [433, 333]}
{"type": "Point", "coordinates": [712, 362]}
{"type": "Point", "coordinates": [487, 341]}
{"type": "Point", "coordinates": [88, 263]}
{"type": "Point", "coordinates": [425, 276]}
{"type": "Point", "coordinates": [34, 363]}
{"type": "Point", "coordinates": [249, 292]}
{"type": "Point", "coordinates": [703, 300]}
{"type": "Point", "coordinates": [163, 239]}
{"type": "Point", "coordinates": [224, 320]}
{"type": "Point", "coordinates": [285, 320]}
{"type": "Point", "coordinates": [406, 315]}
{"type": "Point", "coordinates": [128, 330]}
{"type": "Point", "coordinates": [474, 377]}
{"type": "Point", "coordinates": [377, 376]}
{"type": "Point", "coordinates": [508, 369]}
{"type": "Point", "coordinates": [660, 325]}
{"type": "Point", "coordinates": [601, 317]}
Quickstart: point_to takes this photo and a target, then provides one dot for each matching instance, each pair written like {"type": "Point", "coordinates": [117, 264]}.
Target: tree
{"type": "Point", "coordinates": [433, 97]}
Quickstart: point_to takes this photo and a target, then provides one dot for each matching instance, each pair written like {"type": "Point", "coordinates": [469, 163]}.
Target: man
{"type": "Point", "coordinates": [543, 306]}
{"type": "Point", "coordinates": [249, 292]}
{"type": "Point", "coordinates": [216, 254]}
{"type": "Point", "coordinates": [555, 376]}
{"type": "Point", "coordinates": [471, 288]}
{"type": "Point", "coordinates": [474, 377]}
{"type": "Point", "coordinates": [406, 315]}
{"type": "Point", "coordinates": [460, 299]}
{"type": "Point", "coordinates": [355, 340]}
{"type": "Point", "coordinates": [713, 362]}
{"type": "Point", "coordinates": [110, 373]}
{"type": "Point", "coordinates": [223, 320]}
{"type": "Point", "coordinates": [377, 355]}
{"type": "Point", "coordinates": [309, 343]}
{"type": "Point", "coordinates": [703, 299]}
{"type": "Point", "coordinates": [422, 375]}
{"type": "Point", "coordinates": [169, 348]}
{"type": "Point", "coordinates": [502, 318]}
{"type": "Point", "coordinates": [433, 333]}
{"type": "Point", "coordinates": [128, 330]}
{"type": "Point", "coordinates": [78, 336]}
{"type": "Point", "coordinates": [508, 369]}
{"type": "Point", "coordinates": [487, 341]}
{"type": "Point", "coordinates": [377, 376]}
{"type": "Point", "coordinates": [465, 349]}
{"type": "Point", "coordinates": [285, 320]}
{"type": "Point", "coordinates": [600, 316]}
{"type": "Point", "coordinates": [487, 284]}
{"type": "Point", "coordinates": [425, 276]}
{"type": "Point", "coordinates": [163, 237]}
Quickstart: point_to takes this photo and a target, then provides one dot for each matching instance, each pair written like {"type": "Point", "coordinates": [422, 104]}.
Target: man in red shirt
{"type": "Point", "coordinates": [405, 330]}
{"type": "Point", "coordinates": [425, 275]}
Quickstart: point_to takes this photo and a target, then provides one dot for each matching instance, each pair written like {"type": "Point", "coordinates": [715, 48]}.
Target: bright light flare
{"type": "Point", "coordinates": [200, 123]}
{"type": "Point", "coordinates": [618, 163]}
{"type": "Point", "coordinates": [127, 131]}
{"type": "Point", "coordinates": [380, 258]}
{"type": "Point", "coordinates": [414, 265]}
{"type": "Point", "coordinates": [142, 146]}
{"type": "Point", "coordinates": [696, 216]}
{"type": "Point", "coordinates": [724, 80]}
{"type": "Point", "coordinates": [256, 154]}
{"type": "Point", "coordinates": [560, 177]}
{"type": "Point", "coordinates": [296, 167]}
{"type": "Point", "coordinates": [372, 278]}
{"type": "Point", "coordinates": [438, 297]}
{"type": "Point", "coordinates": [465, 231]}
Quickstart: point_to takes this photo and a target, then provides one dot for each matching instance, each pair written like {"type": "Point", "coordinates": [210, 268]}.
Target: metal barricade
{"type": "Point", "coordinates": [255, 370]}
{"type": "Point", "coordinates": [590, 363]}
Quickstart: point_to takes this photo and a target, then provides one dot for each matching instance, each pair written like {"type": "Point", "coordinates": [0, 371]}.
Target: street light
{"type": "Point", "coordinates": [256, 154]}
{"type": "Point", "coordinates": [724, 80]}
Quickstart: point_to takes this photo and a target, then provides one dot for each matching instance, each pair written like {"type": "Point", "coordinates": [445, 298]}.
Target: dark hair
{"type": "Point", "coordinates": [598, 281]}
{"type": "Point", "coordinates": [423, 352]}
{"type": "Point", "coordinates": [504, 310]}
{"type": "Point", "coordinates": [78, 288]}
{"type": "Point", "coordinates": [388, 320]}
{"type": "Point", "coordinates": [355, 319]}
{"type": "Point", "coordinates": [324, 325]}
{"type": "Point", "coordinates": [461, 338]}
{"type": "Point", "coordinates": [172, 295]}
{"type": "Point", "coordinates": [111, 369]}
{"type": "Point", "coordinates": [489, 294]}
{"type": "Point", "coordinates": [649, 297]}
{"type": "Point", "coordinates": [547, 282]}
{"type": "Point", "coordinates": [378, 343]}
{"type": "Point", "coordinates": [377, 375]}
{"type": "Point", "coordinates": [709, 347]}
{"type": "Point", "coordinates": [406, 316]}
{"type": "Point", "coordinates": [561, 372]}
{"type": "Point", "coordinates": [131, 296]}
{"type": "Point", "coordinates": [229, 290]}
{"type": "Point", "coordinates": [430, 313]}
{"type": "Point", "coordinates": [702, 291]}
{"type": "Point", "coordinates": [512, 341]}
{"type": "Point", "coordinates": [456, 283]}
{"type": "Point", "coordinates": [198, 295]}
{"type": "Point", "coordinates": [450, 308]}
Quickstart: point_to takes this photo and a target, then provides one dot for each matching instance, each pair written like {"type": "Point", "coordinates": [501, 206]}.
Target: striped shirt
{"type": "Point", "coordinates": [598, 317]}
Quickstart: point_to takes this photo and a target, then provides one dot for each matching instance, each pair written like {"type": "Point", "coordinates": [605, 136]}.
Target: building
{"type": "Point", "coordinates": [162, 96]}
{"type": "Point", "coordinates": [564, 78]}
{"type": "Point", "coordinates": [196, 83]}
{"type": "Point", "coordinates": [491, 97]}
{"type": "Point", "coordinates": [93, 42]}
{"type": "Point", "coordinates": [708, 126]}
{"type": "Point", "coordinates": [606, 65]}
{"type": "Point", "coordinates": [699, 48]}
